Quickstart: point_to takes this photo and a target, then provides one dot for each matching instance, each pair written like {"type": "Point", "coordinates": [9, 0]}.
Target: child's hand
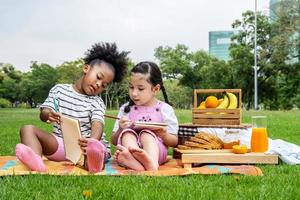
{"type": "Point", "coordinates": [161, 132]}
{"type": "Point", "coordinates": [124, 123]}
{"type": "Point", "coordinates": [54, 117]}
{"type": "Point", "coordinates": [83, 143]}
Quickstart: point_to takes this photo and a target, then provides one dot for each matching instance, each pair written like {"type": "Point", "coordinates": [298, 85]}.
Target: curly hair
{"type": "Point", "coordinates": [108, 53]}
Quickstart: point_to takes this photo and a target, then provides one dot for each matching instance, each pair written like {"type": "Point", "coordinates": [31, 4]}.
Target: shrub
{"type": "Point", "coordinates": [23, 105]}
{"type": "Point", "coordinates": [4, 103]}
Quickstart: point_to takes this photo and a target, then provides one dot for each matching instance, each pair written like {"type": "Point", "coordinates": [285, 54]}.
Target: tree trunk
{"type": "Point", "coordinates": [110, 104]}
{"type": "Point", "coordinates": [106, 98]}
{"type": "Point", "coordinates": [30, 102]}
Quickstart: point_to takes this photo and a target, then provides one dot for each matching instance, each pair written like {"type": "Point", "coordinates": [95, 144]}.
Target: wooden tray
{"type": "Point", "coordinates": [196, 151]}
{"type": "Point", "coordinates": [189, 157]}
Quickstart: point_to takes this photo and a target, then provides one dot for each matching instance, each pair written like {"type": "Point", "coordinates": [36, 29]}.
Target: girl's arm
{"type": "Point", "coordinates": [170, 118]}
{"type": "Point", "coordinates": [123, 123]}
{"type": "Point", "coordinates": [97, 120]}
{"type": "Point", "coordinates": [44, 113]}
{"type": "Point", "coordinates": [97, 130]}
{"type": "Point", "coordinates": [119, 125]}
{"type": "Point", "coordinates": [47, 115]}
{"type": "Point", "coordinates": [169, 139]}
{"type": "Point", "coordinates": [115, 136]}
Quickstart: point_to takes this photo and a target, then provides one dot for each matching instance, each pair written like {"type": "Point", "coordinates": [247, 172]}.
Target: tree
{"type": "Point", "coordinates": [242, 54]}
{"type": "Point", "coordinates": [70, 71]}
{"type": "Point", "coordinates": [278, 56]}
{"type": "Point", "coordinates": [10, 83]}
{"type": "Point", "coordinates": [179, 96]}
{"type": "Point", "coordinates": [10, 71]}
{"type": "Point", "coordinates": [118, 92]}
{"type": "Point", "coordinates": [27, 92]}
{"type": "Point", "coordinates": [191, 75]}
{"type": "Point", "coordinates": [193, 69]}
{"type": "Point", "coordinates": [173, 62]}
{"type": "Point", "coordinates": [37, 83]}
{"type": "Point", "coordinates": [9, 90]}
{"type": "Point", "coordinates": [286, 55]}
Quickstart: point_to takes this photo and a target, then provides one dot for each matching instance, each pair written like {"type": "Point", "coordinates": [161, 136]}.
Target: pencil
{"type": "Point", "coordinates": [55, 105]}
{"type": "Point", "coordinates": [112, 117]}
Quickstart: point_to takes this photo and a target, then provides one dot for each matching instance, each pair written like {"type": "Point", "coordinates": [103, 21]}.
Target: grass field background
{"type": "Point", "coordinates": [279, 181]}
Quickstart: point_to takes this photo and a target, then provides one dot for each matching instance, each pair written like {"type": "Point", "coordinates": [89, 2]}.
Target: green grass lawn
{"type": "Point", "coordinates": [279, 181]}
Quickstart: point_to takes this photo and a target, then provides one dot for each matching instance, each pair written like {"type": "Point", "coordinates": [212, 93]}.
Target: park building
{"type": "Point", "coordinates": [219, 43]}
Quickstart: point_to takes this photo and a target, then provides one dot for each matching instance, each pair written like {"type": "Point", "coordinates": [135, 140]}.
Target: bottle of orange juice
{"type": "Point", "coordinates": [259, 137]}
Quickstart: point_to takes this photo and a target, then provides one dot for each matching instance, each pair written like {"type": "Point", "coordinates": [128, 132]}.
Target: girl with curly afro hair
{"type": "Point", "coordinates": [103, 64]}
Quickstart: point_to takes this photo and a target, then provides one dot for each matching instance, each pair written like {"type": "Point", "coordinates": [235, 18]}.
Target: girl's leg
{"type": "Point", "coordinates": [149, 155]}
{"type": "Point", "coordinates": [35, 142]}
{"type": "Point", "coordinates": [38, 140]}
{"type": "Point", "coordinates": [123, 156]}
{"type": "Point", "coordinates": [129, 139]}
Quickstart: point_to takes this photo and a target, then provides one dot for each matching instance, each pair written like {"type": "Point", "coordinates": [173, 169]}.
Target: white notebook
{"type": "Point", "coordinates": [71, 134]}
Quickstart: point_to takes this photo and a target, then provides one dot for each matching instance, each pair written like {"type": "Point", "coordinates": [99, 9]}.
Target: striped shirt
{"type": "Point", "coordinates": [78, 106]}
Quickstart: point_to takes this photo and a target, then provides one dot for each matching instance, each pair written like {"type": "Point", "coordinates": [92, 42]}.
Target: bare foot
{"type": "Point", "coordinates": [143, 157]}
{"type": "Point", "coordinates": [124, 157]}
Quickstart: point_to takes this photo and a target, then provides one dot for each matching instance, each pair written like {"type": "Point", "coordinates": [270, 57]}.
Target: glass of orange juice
{"type": "Point", "coordinates": [259, 137]}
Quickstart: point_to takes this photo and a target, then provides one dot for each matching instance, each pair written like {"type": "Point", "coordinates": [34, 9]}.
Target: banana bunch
{"type": "Point", "coordinates": [230, 101]}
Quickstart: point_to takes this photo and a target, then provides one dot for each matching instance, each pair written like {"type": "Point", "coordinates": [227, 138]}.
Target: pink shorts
{"type": "Point", "coordinates": [163, 149]}
{"type": "Point", "coordinates": [60, 155]}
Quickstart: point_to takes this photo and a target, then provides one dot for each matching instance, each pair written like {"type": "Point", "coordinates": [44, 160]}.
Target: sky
{"type": "Point", "coordinates": [55, 31]}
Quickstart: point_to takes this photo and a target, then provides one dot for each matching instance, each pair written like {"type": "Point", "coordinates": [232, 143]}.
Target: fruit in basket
{"type": "Point", "coordinates": [202, 105]}
{"type": "Point", "coordinates": [233, 102]}
{"type": "Point", "coordinates": [229, 101]}
{"type": "Point", "coordinates": [224, 103]}
{"type": "Point", "coordinates": [239, 149]}
{"type": "Point", "coordinates": [220, 101]}
{"type": "Point", "coordinates": [211, 102]}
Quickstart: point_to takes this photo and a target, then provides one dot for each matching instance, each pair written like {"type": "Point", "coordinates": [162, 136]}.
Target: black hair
{"type": "Point", "coordinates": [155, 77]}
{"type": "Point", "coordinates": [107, 52]}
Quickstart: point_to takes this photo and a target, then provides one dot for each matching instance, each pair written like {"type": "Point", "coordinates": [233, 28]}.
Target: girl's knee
{"type": "Point", "coordinates": [127, 137]}
{"type": "Point", "coordinates": [146, 136]}
{"type": "Point", "coordinates": [26, 129]}
{"type": "Point", "coordinates": [128, 134]}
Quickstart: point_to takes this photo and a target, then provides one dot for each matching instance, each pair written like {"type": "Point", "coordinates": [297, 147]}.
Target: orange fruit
{"type": "Point", "coordinates": [211, 102]}
{"type": "Point", "coordinates": [239, 149]}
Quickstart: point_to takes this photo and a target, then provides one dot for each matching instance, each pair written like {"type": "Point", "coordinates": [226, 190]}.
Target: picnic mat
{"type": "Point", "coordinates": [10, 165]}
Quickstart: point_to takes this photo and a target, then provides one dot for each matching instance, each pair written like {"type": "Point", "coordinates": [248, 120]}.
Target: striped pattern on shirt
{"type": "Point", "coordinates": [79, 106]}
